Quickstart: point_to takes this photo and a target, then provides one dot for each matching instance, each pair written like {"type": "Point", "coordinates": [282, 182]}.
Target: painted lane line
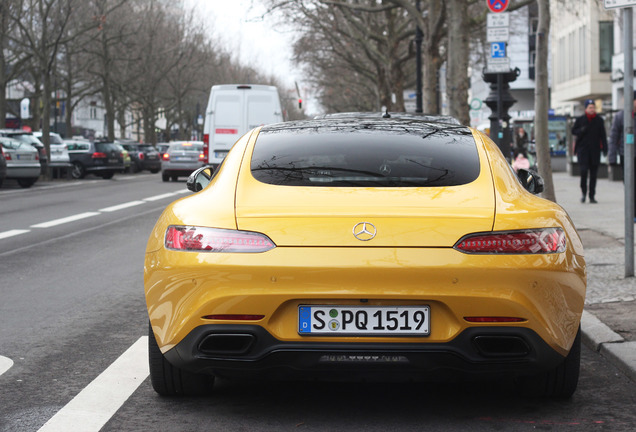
{"type": "Point", "coordinates": [12, 233]}
{"type": "Point", "coordinates": [5, 364]}
{"type": "Point", "coordinates": [61, 221]}
{"type": "Point", "coordinates": [158, 197]}
{"type": "Point", "coordinates": [122, 206]}
{"type": "Point", "coordinates": [97, 403]}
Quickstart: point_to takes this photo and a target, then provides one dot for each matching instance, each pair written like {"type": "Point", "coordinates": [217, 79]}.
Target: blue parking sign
{"type": "Point", "coordinates": [497, 49]}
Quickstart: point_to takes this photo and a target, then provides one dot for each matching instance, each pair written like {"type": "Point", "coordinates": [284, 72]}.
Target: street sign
{"type": "Point", "coordinates": [497, 50]}
{"type": "Point", "coordinates": [497, 68]}
{"type": "Point", "coordinates": [612, 4]}
{"type": "Point", "coordinates": [498, 19]}
{"type": "Point", "coordinates": [497, 5]}
{"type": "Point", "coordinates": [497, 34]}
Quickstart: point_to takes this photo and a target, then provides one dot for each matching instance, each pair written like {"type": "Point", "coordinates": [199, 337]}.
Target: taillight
{"type": "Point", "coordinates": [204, 239]}
{"type": "Point", "coordinates": [99, 155]}
{"type": "Point", "coordinates": [7, 156]}
{"type": "Point", "coordinates": [201, 157]}
{"type": "Point", "coordinates": [532, 241]}
{"type": "Point", "coordinates": [206, 147]}
{"type": "Point", "coordinates": [141, 156]}
{"type": "Point", "coordinates": [166, 157]}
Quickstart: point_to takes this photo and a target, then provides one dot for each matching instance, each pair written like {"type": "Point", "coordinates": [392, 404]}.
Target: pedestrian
{"type": "Point", "coordinates": [616, 155]}
{"type": "Point", "coordinates": [591, 141]}
{"type": "Point", "coordinates": [521, 143]}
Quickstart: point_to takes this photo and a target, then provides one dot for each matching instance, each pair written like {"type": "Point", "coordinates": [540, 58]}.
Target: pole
{"type": "Point", "coordinates": [418, 64]}
{"type": "Point", "coordinates": [628, 86]}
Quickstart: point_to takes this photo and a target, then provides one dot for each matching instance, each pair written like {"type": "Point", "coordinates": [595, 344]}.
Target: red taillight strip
{"type": "Point", "coordinates": [494, 319]}
{"type": "Point", "coordinates": [234, 317]}
{"type": "Point", "coordinates": [531, 241]}
{"type": "Point", "coordinates": [205, 239]}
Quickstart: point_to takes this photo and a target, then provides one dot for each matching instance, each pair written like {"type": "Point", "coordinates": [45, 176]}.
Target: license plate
{"type": "Point", "coordinates": [220, 154]}
{"type": "Point", "coordinates": [113, 161]}
{"type": "Point", "coordinates": [364, 320]}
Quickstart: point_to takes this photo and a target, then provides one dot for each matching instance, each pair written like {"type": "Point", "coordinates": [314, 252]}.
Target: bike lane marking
{"type": "Point", "coordinates": [11, 233]}
{"type": "Point", "coordinates": [5, 364]}
{"type": "Point", "coordinates": [91, 409]}
{"type": "Point", "coordinates": [68, 219]}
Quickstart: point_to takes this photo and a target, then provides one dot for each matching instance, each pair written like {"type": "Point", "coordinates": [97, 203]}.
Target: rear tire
{"type": "Point", "coordinates": [165, 177]}
{"type": "Point", "coordinates": [560, 382]}
{"type": "Point", "coordinates": [168, 380]}
{"type": "Point", "coordinates": [154, 171]}
{"type": "Point", "coordinates": [78, 171]}
{"type": "Point", "coordinates": [107, 176]}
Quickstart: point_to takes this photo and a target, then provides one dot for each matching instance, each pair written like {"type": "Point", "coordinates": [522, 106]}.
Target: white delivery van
{"type": "Point", "coordinates": [232, 111]}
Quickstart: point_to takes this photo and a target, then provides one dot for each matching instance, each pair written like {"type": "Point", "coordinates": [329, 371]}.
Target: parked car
{"type": "Point", "coordinates": [142, 157]}
{"type": "Point", "coordinates": [29, 138]}
{"type": "Point", "coordinates": [161, 148]}
{"type": "Point", "coordinates": [60, 159]}
{"type": "Point", "coordinates": [22, 161]}
{"type": "Point", "coordinates": [181, 158]}
{"type": "Point", "coordinates": [364, 248]}
{"type": "Point", "coordinates": [3, 166]}
{"type": "Point", "coordinates": [103, 159]}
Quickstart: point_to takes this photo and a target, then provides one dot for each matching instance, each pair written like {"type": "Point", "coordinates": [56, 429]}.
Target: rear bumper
{"type": "Point", "coordinates": [32, 171]}
{"type": "Point", "coordinates": [105, 168]}
{"type": "Point", "coordinates": [243, 350]}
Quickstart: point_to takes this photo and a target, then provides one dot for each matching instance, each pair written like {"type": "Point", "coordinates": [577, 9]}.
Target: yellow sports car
{"type": "Point", "coordinates": [389, 248]}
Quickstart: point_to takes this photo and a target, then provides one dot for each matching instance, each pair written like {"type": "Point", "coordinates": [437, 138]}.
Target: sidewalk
{"type": "Point", "coordinates": [609, 319]}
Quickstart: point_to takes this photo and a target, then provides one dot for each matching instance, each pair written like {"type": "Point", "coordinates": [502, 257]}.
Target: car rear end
{"type": "Point", "coordinates": [353, 256]}
{"type": "Point", "coordinates": [106, 159]}
{"type": "Point", "coordinates": [149, 158]}
{"type": "Point", "coordinates": [181, 159]}
{"type": "Point", "coordinates": [22, 161]}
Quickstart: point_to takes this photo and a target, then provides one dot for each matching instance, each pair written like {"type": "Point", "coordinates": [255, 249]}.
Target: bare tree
{"type": "Point", "coordinates": [541, 100]}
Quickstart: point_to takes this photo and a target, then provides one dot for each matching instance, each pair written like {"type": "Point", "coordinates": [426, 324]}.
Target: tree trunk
{"type": "Point", "coordinates": [457, 81]}
{"type": "Point", "coordinates": [541, 100]}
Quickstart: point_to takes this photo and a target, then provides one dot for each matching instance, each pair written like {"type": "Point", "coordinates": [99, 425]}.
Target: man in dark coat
{"type": "Point", "coordinates": [591, 141]}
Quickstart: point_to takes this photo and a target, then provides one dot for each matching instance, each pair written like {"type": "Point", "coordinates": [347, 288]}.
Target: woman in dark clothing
{"type": "Point", "coordinates": [591, 141]}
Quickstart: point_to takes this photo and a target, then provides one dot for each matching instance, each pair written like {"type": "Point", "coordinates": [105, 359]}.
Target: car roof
{"type": "Point", "coordinates": [437, 118]}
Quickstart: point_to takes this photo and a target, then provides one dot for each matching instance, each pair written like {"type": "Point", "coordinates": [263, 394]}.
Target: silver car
{"type": "Point", "coordinates": [181, 158]}
{"type": "Point", "coordinates": [23, 161]}
{"type": "Point", "coordinates": [59, 159]}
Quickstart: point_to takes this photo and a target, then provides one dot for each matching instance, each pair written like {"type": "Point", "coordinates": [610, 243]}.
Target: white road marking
{"type": "Point", "coordinates": [12, 233]}
{"type": "Point", "coordinates": [158, 197]}
{"type": "Point", "coordinates": [121, 206]}
{"type": "Point", "coordinates": [64, 220]}
{"type": "Point", "coordinates": [5, 364]}
{"type": "Point", "coordinates": [97, 403]}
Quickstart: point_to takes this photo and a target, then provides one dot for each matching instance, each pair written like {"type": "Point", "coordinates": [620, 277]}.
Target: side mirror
{"type": "Point", "coordinates": [199, 179]}
{"type": "Point", "coordinates": [530, 180]}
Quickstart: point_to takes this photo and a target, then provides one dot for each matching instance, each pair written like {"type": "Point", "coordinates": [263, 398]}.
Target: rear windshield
{"type": "Point", "coordinates": [106, 147]}
{"type": "Point", "coordinates": [186, 147]}
{"type": "Point", "coordinates": [399, 154]}
{"type": "Point", "coordinates": [12, 144]}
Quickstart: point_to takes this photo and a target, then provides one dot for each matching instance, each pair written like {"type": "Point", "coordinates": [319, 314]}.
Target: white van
{"type": "Point", "coordinates": [232, 111]}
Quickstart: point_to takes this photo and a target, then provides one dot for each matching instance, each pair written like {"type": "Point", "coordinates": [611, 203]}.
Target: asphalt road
{"type": "Point", "coordinates": [72, 341]}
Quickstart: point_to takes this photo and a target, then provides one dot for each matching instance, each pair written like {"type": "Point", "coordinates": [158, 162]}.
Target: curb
{"type": "Point", "coordinates": [600, 338]}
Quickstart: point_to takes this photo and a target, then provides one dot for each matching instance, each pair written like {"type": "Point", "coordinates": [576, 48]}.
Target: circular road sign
{"type": "Point", "coordinates": [497, 5]}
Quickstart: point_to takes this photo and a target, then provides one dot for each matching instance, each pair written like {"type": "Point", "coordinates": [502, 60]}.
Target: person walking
{"type": "Point", "coordinates": [591, 141]}
{"type": "Point", "coordinates": [521, 143]}
{"type": "Point", "coordinates": [616, 155]}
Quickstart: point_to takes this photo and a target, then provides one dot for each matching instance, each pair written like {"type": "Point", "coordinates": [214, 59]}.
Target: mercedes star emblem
{"type": "Point", "coordinates": [364, 231]}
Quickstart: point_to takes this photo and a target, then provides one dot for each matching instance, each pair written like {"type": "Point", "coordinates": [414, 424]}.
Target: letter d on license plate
{"type": "Point", "coordinates": [364, 320]}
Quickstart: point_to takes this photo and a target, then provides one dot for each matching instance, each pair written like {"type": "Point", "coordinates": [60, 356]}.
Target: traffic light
{"type": "Point", "coordinates": [300, 103]}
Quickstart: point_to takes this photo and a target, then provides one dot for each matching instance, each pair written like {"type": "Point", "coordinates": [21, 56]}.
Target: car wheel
{"type": "Point", "coordinates": [560, 382]}
{"type": "Point", "coordinates": [154, 171]}
{"type": "Point", "coordinates": [78, 171]}
{"type": "Point", "coordinates": [26, 182]}
{"type": "Point", "coordinates": [107, 176]}
{"type": "Point", "coordinates": [168, 380]}
{"type": "Point", "coordinates": [165, 177]}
